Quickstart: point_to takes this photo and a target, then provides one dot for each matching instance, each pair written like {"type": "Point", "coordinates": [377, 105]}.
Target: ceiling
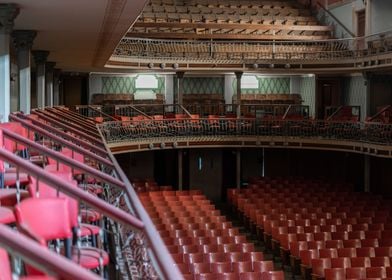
{"type": "Point", "coordinates": [79, 34]}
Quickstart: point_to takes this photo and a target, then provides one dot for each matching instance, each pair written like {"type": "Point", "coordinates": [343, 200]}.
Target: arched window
{"type": "Point", "coordinates": [146, 82]}
{"type": "Point", "coordinates": [249, 82]}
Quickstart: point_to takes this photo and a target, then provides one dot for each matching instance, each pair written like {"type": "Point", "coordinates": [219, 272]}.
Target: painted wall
{"type": "Point", "coordinates": [267, 85]}
{"type": "Point", "coordinates": [203, 85]}
{"type": "Point", "coordinates": [307, 87]}
{"type": "Point", "coordinates": [106, 83]}
{"type": "Point", "coordinates": [381, 16]}
{"type": "Point", "coordinates": [354, 93]}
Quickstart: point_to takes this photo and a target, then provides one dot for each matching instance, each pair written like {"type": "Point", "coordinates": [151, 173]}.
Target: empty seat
{"type": "Point", "coordinates": [356, 273]}
{"type": "Point", "coordinates": [239, 267]}
{"type": "Point", "coordinates": [335, 274]}
{"type": "Point", "coordinates": [376, 272]}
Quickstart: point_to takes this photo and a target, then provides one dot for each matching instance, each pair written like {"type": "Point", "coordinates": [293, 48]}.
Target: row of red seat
{"type": "Point", "coordinates": [304, 222]}
{"type": "Point", "coordinates": [44, 213]}
{"type": "Point", "coordinates": [202, 242]}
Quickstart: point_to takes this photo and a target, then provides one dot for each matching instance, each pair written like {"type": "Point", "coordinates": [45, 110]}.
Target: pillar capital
{"type": "Point", "coordinates": [50, 66]}
{"type": "Point", "coordinates": [180, 74]}
{"type": "Point", "coordinates": [23, 39]}
{"type": "Point", "coordinates": [238, 74]}
{"type": "Point", "coordinates": [40, 57]}
{"type": "Point", "coordinates": [8, 13]}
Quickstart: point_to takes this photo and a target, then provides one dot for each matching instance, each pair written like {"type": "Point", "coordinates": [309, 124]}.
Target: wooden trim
{"type": "Point", "coordinates": [234, 26]}
{"type": "Point", "coordinates": [226, 36]}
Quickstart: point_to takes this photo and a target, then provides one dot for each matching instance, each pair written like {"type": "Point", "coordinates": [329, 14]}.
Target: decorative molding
{"type": "Point", "coordinates": [23, 39]}
{"type": "Point", "coordinates": [8, 13]}
{"type": "Point", "coordinates": [40, 56]}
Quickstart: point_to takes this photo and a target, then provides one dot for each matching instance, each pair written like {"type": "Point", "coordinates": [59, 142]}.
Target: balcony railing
{"type": "Point", "coordinates": [136, 131]}
{"type": "Point", "coordinates": [249, 52]}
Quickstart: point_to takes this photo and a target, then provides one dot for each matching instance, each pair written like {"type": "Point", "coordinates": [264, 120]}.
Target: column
{"type": "Point", "coordinates": [238, 169]}
{"type": "Point", "coordinates": [56, 87]}
{"type": "Point", "coordinates": [49, 68]}
{"type": "Point", "coordinates": [23, 41]}
{"type": "Point", "coordinates": [180, 89]}
{"type": "Point", "coordinates": [238, 76]}
{"type": "Point", "coordinates": [179, 153]}
{"type": "Point", "coordinates": [8, 12]}
{"type": "Point", "coordinates": [369, 102]}
{"type": "Point", "coordinates": [40, 58]}
{"type": "Point", "coordinates": [366, 178]}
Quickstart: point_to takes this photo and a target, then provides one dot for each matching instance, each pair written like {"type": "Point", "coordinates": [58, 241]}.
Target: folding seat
{"type": "Point", "coordinates": [360, 262]}
{"type": "Point", "coordinates": [383, 251]}
{"type": "Point", "coordinates": [249, 276]}
{"type": "Point", "coordinates": [272, 275]}
{"type": "Point", "coordinates": [188, 249]}
{"type": "Point", "coordinates": [319, 265]}
{"type": "Point", "coordinates": [335, 274]}
{"type": "Point", "coordinates": [261, 266]}
{"type": "Point", "coordinates": [242, 267]}
{"type": "Point", "coordinates": [306, 256]}
{"type": "Point", "coordinates": [365, 252]}
{"type": "Point", "coordinates": [237, 256]}
{"type": "Point", "coordinates": [211, 248]}
{"type": "Point", "coordinates": [358, 226]}
{"type": "Point", "coordinates": [193, 258]}
{"type": "Point", "coordinates": [359, 234]}
{"type": "Point", "coordinates": [49, 219]}
{"type": "Point", "coordinates": [178, 258]}
{"type": "Point", "coordinates": [173, 249]}
{"type": "Point", "coordinates": [206, 276]}
{"type": "Point", "coordinates": [183, 241]}
{"type": "Point", "coordinates": [328, 253]}
{"type": "Point", "coordinates": [386, 242]}
{"type": "Point", "coordinates": [389, 272]}
{"type": "Point", "coordinates": [219, 257]}
{"type": "Point", "coordinates": [322, 236]}
{"type": "Point", "coordinates": [364, 220]}
{"type": "Point", "coordinates": [334, 244]}
{"type": "Point", "coordinates": [296, 246]}
{"type": "Point", "coordinates": [220, 267]}
{"type": "Point", "coordinates": [380, 261]}
{"type": "Point", "coordinates": [376, 226]}
{"type": "Point", "coordinates": [239, 239]}
{"type": "Point", "coordinates": [229, 276]}
{"type": "Point", "coordinates": [198, 268]}
{"type": "Point", "coordinates": [316, 244]}
{"type": "Point", "coordinates": [253, 256]}
{"type": "Point", "coordinates": [312, 229]}
{"type": "Point", "coordinates": [370, 242]}
{"type": "Point", "coordinates": [340, 262]}
{"type": "Point", "coordinates": [376, 272]}
{"type": "Point", "coordinates": [230, 232]}
{"type": "Point", "coordinates": [339, 235]}
{"type": "Point", "coordinates": [352, 243]}
{"type": "Point", "coordinates": [245, 247]}
{"type": "Point", "coordinates": [356, 273]}
{"type": "Point", "coordinates": [373, 234]}
{"type": "Point", "coordinates": [305, 237]}
{"type": "Point", "coordinates": [182, 267]}
{"type": "Point", "coordinates": [328, 228]}
{"type": "Point", "coordinates": [347, 252]}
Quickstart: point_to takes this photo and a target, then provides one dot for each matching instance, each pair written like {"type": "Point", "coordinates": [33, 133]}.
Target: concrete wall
{"type": "Point", "coordinates": [381, 11]}
{"type": "Point", "coordinates": [307, 90]}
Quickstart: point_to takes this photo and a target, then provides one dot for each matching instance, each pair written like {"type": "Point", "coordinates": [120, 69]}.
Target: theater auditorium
{"type": "Point", "coordinates": [195, 139]}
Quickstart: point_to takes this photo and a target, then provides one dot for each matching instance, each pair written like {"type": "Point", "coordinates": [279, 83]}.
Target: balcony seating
{"type": "Point", "coordinates": [204, 244]}
{"type": "Point", "coordinates": [324, 236]}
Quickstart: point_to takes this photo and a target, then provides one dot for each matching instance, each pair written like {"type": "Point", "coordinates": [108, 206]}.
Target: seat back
{"type": "Point", "coordinates": [47, 218]}
{"type": "Point", "coordinates": [5, 266]}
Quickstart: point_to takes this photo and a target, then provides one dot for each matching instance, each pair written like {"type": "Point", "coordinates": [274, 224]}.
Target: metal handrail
{"type": "Point", "coordinates": [68, 188]}
{"type": "Point", "coordinates": [63, 142]}
{"type": "Point", "coordinates": [159, 249]}
{"type": "Point", "coordinates": [37, 256]}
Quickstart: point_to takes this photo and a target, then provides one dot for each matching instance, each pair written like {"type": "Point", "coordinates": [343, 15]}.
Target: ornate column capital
{"type": "Point", "coordinates": [238, 74]}
{"type": "Point", "coordinates": [23, 39]}
{"type": "Point", "coordinates": [8, 13]}
{"type": "Point", "coordinates": [50, 66]}
{"type": "Point", "coordinates": [180, 74]}
{"type": "Point", "coordinates": [40, 57]}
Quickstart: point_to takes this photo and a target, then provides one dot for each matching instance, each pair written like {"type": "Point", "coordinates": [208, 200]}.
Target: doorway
{"type": "Point", "coordinates": [328, 95]}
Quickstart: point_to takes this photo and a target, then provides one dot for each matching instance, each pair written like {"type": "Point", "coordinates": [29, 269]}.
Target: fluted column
{"type": "Point", "coordinates": [8, 12]}
{"type": "Point", "coordinates": [238, 93]}
{"type": "Point", "coordinates": [49, 68]}
{"type": "Point", "coordinates": [23, 41]}
{"type": "Point", "coordinates": [40, 58]}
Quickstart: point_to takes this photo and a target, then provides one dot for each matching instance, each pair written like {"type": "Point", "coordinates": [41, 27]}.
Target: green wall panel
{"type": "Point", "coordinates": [267, 85]}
